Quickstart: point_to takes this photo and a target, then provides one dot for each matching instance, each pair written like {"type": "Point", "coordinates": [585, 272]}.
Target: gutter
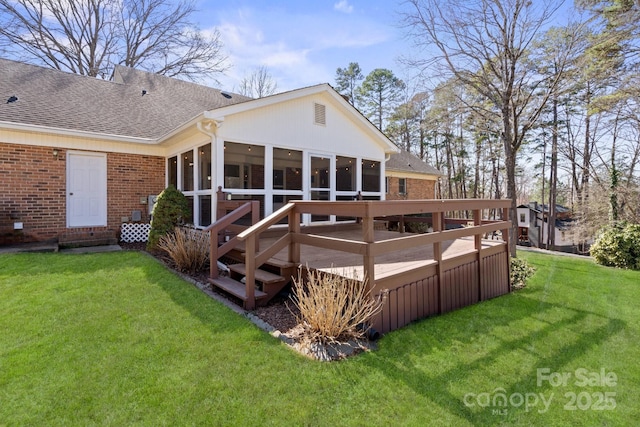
{"type": "Point", "coordinates": [77, 133]}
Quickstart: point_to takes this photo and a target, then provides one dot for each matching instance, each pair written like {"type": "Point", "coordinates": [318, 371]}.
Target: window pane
{"type": "Point", "coordinates": [370, 175]}
{"type": "Point", "coordinates": [287, 169]}
{"type": "Point", "coordinates": [345, 218]}
{"type": "Point", "coordinates": [187, 171]}
{"type": "Point", "coordinates": [345, 174]}
{"type": "Point", "coordinates": [246, 220]}
{"type": "Point", "coordinates": [281, 200]}
{"type": "Point", "coordinates": [204, 156]}
{"type": "Point", "coordinates": [172, 166]}
{"type": "Point", "coordinates": [205, 210]}
{"type": "Point", "coordinates": [320, 195]}
{"type": "Point", "coordinates": [320, 172]}
{"type": "Point", "coordinates": [243, 166]}
{"type": "Point", "coordinates": [189, 218]}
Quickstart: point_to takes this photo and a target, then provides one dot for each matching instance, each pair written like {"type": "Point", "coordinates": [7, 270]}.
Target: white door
{"type": "Point", "coordinates": [86, 189]}
{"type": "Point", "coordinates": [320, 181]}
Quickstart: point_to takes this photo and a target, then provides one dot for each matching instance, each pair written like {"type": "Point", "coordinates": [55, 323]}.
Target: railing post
{"type": "Point", "coordinates": [255, 217]}
{"type": "Point", "coordinates": [250, 270]}
{"type": "Point", "coordinates": [477, 221]}
{"type": "Point", "coordinates": [294, 228]}
{"type": "Point", "coordinates": [368, 260]}
{"type": "Point", "coordinates": [220, 212]}
{"type": "Point", "coordinates": [437, 256]}
{"type": "Point", "coordinates": [213, 253]}
{"type": "Point", "coordinates": [505, 237]}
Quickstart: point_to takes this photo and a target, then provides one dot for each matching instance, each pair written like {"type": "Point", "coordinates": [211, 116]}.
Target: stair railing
{"type": "Point", "coordinates": [218, 245]}
{"type": "Point", "coordinates": [251, 236]}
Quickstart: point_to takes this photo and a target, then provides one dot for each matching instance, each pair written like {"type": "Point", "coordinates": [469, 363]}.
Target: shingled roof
{"type": "Point", "coordinates": [134, 103]}
{"type": "Point", "coordinates": [404, 161]}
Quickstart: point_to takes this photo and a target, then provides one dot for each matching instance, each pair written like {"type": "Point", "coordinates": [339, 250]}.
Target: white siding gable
{"type": "Point", "coordinates": [292, 124]}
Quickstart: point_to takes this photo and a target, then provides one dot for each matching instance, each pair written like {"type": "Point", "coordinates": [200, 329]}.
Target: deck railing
{"type": "Point", "coordinates": [367, 247]}
{"type": "Point", "coordinates": [223, 233]}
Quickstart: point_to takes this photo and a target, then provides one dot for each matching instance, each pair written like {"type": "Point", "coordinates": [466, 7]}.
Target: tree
{"type": "Point", "coordinates": [379, 94]}
{"type": "Point", "coordinates": [405, 123]}
{"type": "Point", "coordinates": [90, 37]}
{"type": "Point", "coordinates": [347, 81]}
{"type": "Point", "coordinates": [259, 84]}
{"type": "Point", "coordinates": [486, 46]}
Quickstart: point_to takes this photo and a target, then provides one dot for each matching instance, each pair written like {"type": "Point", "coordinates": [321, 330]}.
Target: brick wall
{"type": "Point", "coordinates": [416, 189]}
{"type": "Point", "coordinates": [34, 190]}
{"type": "Point", "coordinates": [131, 178]}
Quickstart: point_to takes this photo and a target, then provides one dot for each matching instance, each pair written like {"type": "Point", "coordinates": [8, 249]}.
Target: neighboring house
{"type": "Point", "coordinates": [410, 178]}
{"type": "Point", "coordinates": [83, 155]}
{"type": "Point", "coordinates": [533, 227]}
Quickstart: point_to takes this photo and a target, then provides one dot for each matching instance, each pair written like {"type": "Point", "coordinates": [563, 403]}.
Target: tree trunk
{"type": "Point", "coordinates": [510, 167]}
{"type": "Point", "coordinates": [553, 178]}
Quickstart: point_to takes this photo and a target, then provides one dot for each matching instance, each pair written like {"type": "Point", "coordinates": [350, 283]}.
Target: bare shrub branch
{"type": "Point", "coordinates": [187, 247]}
{"type": "Point", "coordinates": [334, 307]}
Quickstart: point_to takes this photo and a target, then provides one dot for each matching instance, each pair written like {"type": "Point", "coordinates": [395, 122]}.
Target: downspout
{"type": "Point", "coordinates": [209, 128]}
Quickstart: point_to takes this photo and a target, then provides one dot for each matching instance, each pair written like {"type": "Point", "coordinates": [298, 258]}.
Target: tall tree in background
{"type": "Point", "coordinates": [378, 95]}
{"type": "Point", "coordinates": [405, 123]}
{"type": "Point", "coordinates": [553, 47]}
{"type": "Point", "coordinates": [485, 45]}
{"type": "Point", "coordinates": [348, 80]}
{"type": "Point", "coordinates": [258, 84]}
{"type": "Point", "coordinates": [90, 37]}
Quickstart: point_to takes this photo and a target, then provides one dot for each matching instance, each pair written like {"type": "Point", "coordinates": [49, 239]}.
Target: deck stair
{"type": "Point", "coordinates": [273, 276]}
{"type": "Point", "coordinates": [267, 282]}
{"type": "Point", "coordinates": [237, 289]}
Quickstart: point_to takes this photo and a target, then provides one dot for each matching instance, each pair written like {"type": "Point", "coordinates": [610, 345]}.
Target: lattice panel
{"type": "Point", "coordinates": [135, 232]}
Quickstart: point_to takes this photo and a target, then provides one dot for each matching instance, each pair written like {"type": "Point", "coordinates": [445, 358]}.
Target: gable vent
{"type": "Point", "coordinates": [320, 114]}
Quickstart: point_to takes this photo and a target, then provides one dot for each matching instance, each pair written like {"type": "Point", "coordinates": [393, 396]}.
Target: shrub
{"type": "Point", "coordinates": [170, 210]}
{"type": "Point", "coordinates": [334, 307]}
{"type": "Point", "coordinates": [416, 227]}
{"type": "Point", "coordinates": [187, 247]}
{"type": "Point", "coordinates": [618, 246]}
{"type": "Point", "coordinates": [520, 272]}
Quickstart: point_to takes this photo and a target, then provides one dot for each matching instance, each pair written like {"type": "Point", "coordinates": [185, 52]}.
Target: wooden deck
{"type": "Point", "coordinates": [386, 265]}
{"type": "Point", "coordinates": [420, 274]}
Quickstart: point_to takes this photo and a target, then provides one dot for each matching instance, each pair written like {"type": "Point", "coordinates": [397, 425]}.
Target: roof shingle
{"type": "Point", "coordinates": [406, 162]}
{"type": "Point", "coordinates": [57, 99]}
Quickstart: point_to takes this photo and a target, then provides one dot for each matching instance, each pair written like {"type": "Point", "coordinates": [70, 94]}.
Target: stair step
{"type": "Point", "coordinates": [235, 288]}
{"type": "Point", "coordinates": [276, 262]}
{"type": "Point", "coordinates": [261, 276]}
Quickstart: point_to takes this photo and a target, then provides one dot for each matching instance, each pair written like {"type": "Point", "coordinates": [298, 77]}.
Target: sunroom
{"type": "Point", "coordinates": [308, 144]}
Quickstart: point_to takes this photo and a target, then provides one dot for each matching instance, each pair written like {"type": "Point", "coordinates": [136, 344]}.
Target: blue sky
{"type": "Point", "coordinates": [302, 42]}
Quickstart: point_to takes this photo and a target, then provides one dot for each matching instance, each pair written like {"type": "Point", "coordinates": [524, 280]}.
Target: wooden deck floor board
{"type": "Point", "coordinates": [385, 265]}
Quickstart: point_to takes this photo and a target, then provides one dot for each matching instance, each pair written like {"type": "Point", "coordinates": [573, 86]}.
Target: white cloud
{"type": "Point", "coordinates": [343, 6]}
{"type": "Point", "coordinates": [298, 49]}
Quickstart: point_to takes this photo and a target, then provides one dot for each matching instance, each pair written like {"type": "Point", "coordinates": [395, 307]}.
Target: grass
{"type": "Point", "coordinates": [117, 339]}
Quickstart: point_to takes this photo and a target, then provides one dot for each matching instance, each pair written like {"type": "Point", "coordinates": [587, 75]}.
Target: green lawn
{"type": "Point", "coordinates": [117, 339]}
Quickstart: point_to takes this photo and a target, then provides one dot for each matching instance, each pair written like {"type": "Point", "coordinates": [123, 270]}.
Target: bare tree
{"type": "Point", "coordinates": [259, 84]}
{"type": "Point", "coordinates": [486, 45]}
{"type": "Point", "coordinates": [90, 37]}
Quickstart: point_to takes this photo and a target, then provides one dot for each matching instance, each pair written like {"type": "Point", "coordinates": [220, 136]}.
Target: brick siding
{"type": "Point", "coordinates": [34, 188]}
{"type": "Point", "coordinates": [416, 189]}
